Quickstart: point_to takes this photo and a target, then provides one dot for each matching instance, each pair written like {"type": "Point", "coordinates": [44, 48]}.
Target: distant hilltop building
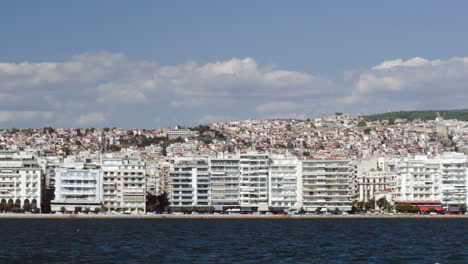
{"type": "Point", "coordinates": [183, 133]}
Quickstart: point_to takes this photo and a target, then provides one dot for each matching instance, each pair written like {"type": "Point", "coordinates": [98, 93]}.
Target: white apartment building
{"type": "Point", "coordinates": [189, 181]}
{"type": "Point", "coordinates": [77, 186]}
{"type": "Point", "coordinates": [20, 181]}
{"type": "Point", "coordinates": [124, 187]}
{"type": "Point", "coordinates": [373, 176]}
{"type": "Point", "coordinates": [441, 179]}
{"type": "Point", "coordinates": [327, 184]}
{"type": "Point", "coordinates": [283, 182]}
{"type": "Point", "coordinates": [183, 133]}
{"type": "Point", "coordinates": [224, 183]}
{"type": "Point", "coordinates": [254, 182]}
{"type": "Point", "coordinates": [454, 180]}
{"type": "Point", "coordinates": [370, 183]}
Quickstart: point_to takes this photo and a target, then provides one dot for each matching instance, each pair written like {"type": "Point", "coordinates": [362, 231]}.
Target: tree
{"type": "Point", "coordinates": [302, 211]}
{"type": "Point", "coordinates": [288, 127]}
{"type": "Point", "coordinates": [318, 210]}
{"type": "Point", "coordinates": [361, 124]}
{"type": "Point", "coordinates": [462, 208]}
{"type": "Point", "coordinates": [63, 210]}
{"type": "Point", "coordinates": [306, 153]}
{"type": "Point", "coordinates": [367, 131]}
{"type": "Point", "coordinates": [151, 201]}
{"type": "Point", "coordinates": [114, 148]}
{"type": "Point", "coordinates": [382, 203]}
{"type": "Point", "coordinates": [97, 210]}
{"type": "Point", "coordinates": [211, 209]}
{"type": "Point", "coordinates": [370, 204]}
{"type": "Point", "coordinates": [27, 207]}
{"type": "Point", "coordinates": [183, 210]}
{"type": "Point", "coordinates": [157, 203]}
{"type": "Point", "coordinates": [407, 208]}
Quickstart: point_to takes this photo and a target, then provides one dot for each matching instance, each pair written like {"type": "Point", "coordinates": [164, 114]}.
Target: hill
{"type": "Point", "coordinates": [460, 114]}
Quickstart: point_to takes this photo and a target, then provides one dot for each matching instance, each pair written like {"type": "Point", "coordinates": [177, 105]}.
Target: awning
{"type": "Point", "coordinates": [425, 208]}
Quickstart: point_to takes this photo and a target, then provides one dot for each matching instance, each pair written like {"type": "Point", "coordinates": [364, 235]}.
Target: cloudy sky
{"type": "Point", "coordinates": [149, 64]}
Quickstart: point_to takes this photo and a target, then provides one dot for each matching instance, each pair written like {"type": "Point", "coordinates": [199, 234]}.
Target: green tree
{"type": "Point", "coordinates": [306, 153]}
{"type": "Point", "coordinates": [157, 203]}
{"type": "Point", "coordinates": [114, 147]}
{"type": "Point", "coordinates": [211, 209]}
{"type": "Point", "coordinates": [27, 207]}
{"type": "Point", "coordinates": [462, 208]}
{"type": "Point", "coordinates": [362, 124]}
{"type": "Point", "coordinates": [382, 203]}
{"type": "Point", "coordinates": [63, 210]}
{"type": "Point", "coordinates": [367, 131]}
{"type": "Point", "coordinates": [318, 209]}
{"type": "Point", "coordinates": [97, 210]}
{"type": "Point", "coordinates": [407, 208]}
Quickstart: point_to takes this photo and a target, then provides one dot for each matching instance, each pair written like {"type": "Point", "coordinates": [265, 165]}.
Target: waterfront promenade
{"type": "Point", "coordinates": [232, 216]}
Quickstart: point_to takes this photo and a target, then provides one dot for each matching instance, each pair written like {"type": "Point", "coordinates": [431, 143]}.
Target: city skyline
{"type": "Point", "coordinates": [152, 65]}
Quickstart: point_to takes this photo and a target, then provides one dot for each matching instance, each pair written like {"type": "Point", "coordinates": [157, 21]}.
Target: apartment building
{"type": "Point", "coordinates": [189, 181]}
{"type": "Point", "coordinates": [182, 133]}
{"type": "Point", "coordinates": [20, 181]}
{"type": "Point", "coordinates": [440, 179]}
{"type": "Point", "coordinates": [373, 176]}
{"type": "Point", "coordinates": [254, 182]}
{"type": "Point", "coordinates": [283, 185]}
{"type": "Point", "coordinates": [78, 186]}
{"type": "Point", "coordinates": [224, 183]}
{"type": "Point", "coordinates": [327, 184]}
{"type": "Point", "coordinates": [454, 173]}
{"type": "Point", "coordinates": [124, 187]}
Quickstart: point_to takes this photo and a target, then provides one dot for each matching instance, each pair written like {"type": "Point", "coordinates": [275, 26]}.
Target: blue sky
{"type": "Point", "coordinates": [150, 64]}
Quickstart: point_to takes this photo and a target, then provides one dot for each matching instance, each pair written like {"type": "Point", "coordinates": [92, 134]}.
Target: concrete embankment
{"type": "Point", "coordinates": [240, 216]}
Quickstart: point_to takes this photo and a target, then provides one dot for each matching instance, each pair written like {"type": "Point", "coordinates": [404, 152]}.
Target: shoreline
{"type": "Point", "coordinates": [163, 216]}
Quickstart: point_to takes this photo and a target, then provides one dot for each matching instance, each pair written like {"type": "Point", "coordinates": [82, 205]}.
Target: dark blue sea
{"type": "Point", "coordinates": [234, 241]}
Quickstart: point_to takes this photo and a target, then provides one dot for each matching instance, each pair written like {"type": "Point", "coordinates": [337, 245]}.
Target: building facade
{"type": "Point", "coordinates": [327, 184]}
{"type": "Point", "coordinates": [189, 181]}
{"type": "Point", "coordinates": [20, 182]}
{"type": "Point", "coordinates": [78, 187]}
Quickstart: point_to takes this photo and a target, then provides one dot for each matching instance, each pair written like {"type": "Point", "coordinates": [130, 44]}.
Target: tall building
{"type": "Point", "coordinates": [283, 182]}
{"type": "Point", "coordinates": [373, 176]}
{"type": "Point", "coordinates": [254, 182]}
{"type": "Point", "coordinates": [189, 181]}
{"type": "Point", "coordinates": [440, 179]}
{"type": "Point", "coordinates": [224, 182]}
{"type": "Point", "coordinates": [124, 187]}
{"type": "Point", "coordinates": [20, 181]}
{"type": "Point", "coordinates": [78, 187]}
{"type": "Point", "coordinates": [327, 184]}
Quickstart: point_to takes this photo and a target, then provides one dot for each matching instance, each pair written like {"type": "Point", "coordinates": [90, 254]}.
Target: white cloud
{"type": "Point", "coordinates": [210, 119]}
{"type": "Point", "coordinates": [13, 116]}
{"type": "Point", "coordinates": [416, 73]}
{"type": "Point", "coordinates": [93, 118]}
{"type": "Point", "coordinates": [417, 83]}
{"type": "Point", "coordinates": [87, 67]}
